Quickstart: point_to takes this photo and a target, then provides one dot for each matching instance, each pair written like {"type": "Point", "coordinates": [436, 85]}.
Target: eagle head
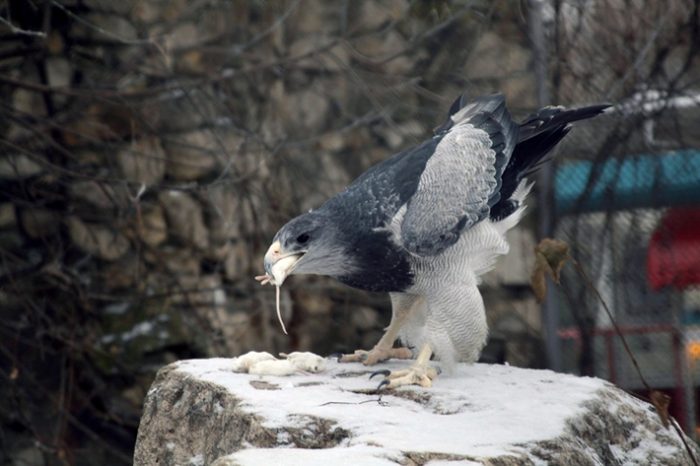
{"type": "Point", "coordinates": [307, 244]}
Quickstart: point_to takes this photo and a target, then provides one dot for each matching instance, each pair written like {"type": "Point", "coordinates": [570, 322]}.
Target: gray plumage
{"type": "Point", "coordinates": [462, 178]}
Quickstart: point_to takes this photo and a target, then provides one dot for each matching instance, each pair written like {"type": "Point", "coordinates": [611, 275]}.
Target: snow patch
{"type": "Point", "coordinates": [482, 410]}
{"type": "Point", "coordinates": [350, 456]}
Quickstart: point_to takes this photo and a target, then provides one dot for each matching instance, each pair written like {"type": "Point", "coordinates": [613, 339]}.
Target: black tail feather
{"type": "Point", "coordinates": [538, 135]}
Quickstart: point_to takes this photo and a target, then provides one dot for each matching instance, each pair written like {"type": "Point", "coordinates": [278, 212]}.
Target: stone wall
{"type": "Point", "coordinates": [152, 149]}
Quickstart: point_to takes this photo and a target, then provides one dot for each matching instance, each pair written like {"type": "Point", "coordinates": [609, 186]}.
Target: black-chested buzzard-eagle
{"type": "Point", "coordinates": [423, 225]}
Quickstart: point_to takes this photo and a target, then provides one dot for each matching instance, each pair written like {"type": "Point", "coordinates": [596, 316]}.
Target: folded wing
{"type": "Point", "coordinates": [462, 178]}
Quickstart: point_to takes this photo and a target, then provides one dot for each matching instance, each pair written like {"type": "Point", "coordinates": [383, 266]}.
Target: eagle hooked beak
{"type": "Point", "coordinates": [279, 264]}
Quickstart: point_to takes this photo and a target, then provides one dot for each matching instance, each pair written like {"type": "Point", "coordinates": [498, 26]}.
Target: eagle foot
{"type": "Point", "coordinates": [375, 355]}
{"type": "Point", "coordinates": [418, 374]}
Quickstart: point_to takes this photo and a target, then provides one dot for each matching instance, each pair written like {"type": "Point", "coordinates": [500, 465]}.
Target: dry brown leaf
{"type": "Point", "coordinates": [550, 257]}
{"type": "Point", "coordinates": [661, 402]}
{"type": "Point", "coordinates": [555, 253]}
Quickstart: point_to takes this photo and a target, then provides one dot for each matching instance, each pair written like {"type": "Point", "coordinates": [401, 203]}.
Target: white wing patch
{"type": "Point", "coordinates": [393, 226]}
{"type": "Point", "coordinates": [453, 191]}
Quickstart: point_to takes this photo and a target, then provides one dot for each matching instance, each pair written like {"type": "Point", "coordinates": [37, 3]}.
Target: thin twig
{"type": "Point", "coordinates": [18, 30]}
{"type": "Point", "coordinates": [378, 400]}
{"type": "Point", "coordinates": [101, 30]}
{"type": "Point", "coordinates": [594, 290]}
{"type": "Point", "coordinates": [685, 443]}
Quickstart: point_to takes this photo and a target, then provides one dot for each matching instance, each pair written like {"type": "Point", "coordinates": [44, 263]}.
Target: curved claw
{"type": "Point", "coordinates": [382, 384]}
{"type": "Point", "coordinates": [383, 372]}
{"type": "Point", "coordinates": [336, 355]}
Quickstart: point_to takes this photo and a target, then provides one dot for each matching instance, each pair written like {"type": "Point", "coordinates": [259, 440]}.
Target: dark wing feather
{"type": "Point", "coordinates": [538, 135]}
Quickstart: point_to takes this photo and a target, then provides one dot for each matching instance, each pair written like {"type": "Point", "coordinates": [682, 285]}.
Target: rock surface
{"type": "Point", "coordinates": [201, 412]}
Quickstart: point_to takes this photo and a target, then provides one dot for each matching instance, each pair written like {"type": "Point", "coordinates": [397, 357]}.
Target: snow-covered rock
{"type": "Point", "coordinates": [202, 412]}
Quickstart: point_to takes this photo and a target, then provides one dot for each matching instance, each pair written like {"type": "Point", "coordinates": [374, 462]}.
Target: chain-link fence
{"type": "Point", "coordinates": [626, 192]}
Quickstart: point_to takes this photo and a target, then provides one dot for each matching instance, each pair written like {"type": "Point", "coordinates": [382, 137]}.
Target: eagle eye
{"type": "Point", "coordinates": [303, 238]}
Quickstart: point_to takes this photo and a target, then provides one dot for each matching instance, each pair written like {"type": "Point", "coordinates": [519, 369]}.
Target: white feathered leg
{"type": "Point", "coordinates": [456, 326]}
{"type": "Point", "coordinates": [454, 329]}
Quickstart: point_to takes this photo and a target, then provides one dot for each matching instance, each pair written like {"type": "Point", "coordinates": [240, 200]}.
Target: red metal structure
{"type": "Point", "coordinates": [673, 257]}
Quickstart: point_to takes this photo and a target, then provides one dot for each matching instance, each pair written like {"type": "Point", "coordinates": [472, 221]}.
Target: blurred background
{"type": "Point", "coordinates": [149, 150]}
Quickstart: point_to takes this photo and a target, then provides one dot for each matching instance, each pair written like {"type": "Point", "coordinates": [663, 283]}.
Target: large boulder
{"type": "Point", "coordinates": [201, 412]}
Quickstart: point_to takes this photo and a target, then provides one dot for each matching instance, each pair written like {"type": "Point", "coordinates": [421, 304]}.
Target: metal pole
{"type": "Point", "coordinates": [545, 202]}
{"type": "Point", "coordinates": [684, 368]}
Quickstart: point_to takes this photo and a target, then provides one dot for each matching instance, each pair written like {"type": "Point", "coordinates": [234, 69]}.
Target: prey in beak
{"type": "Point", "coordinates": [304, 245]}
{"type": "Point", "coordinates": [278, 266]}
